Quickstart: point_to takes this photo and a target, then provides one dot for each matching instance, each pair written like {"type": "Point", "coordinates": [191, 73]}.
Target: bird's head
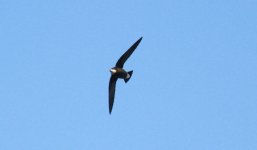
{"type": "Point", "coordinates": [113, 71]}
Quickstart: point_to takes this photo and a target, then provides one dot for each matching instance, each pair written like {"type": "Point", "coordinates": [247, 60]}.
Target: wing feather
{"type": "Point", "coordinates": [127, 54]}
{"type": "Point", "coordinates": [112, 85]}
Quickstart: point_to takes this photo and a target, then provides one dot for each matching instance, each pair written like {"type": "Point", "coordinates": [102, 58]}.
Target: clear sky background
{"type": "Point", "coordinates": [194, 85]}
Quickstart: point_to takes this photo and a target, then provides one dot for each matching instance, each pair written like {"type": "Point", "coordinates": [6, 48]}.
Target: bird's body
{"type": "Point", "coordinates": [119, 72]}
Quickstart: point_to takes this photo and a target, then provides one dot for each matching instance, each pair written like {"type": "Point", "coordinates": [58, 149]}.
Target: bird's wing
{"type": "Point", "coordinates": [112, 85]}
{"type": "Point", "coordinates": [126, 55]}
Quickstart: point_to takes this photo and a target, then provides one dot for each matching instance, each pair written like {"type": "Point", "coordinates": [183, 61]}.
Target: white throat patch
{"type": "Point", "coordinates": [113, 71]}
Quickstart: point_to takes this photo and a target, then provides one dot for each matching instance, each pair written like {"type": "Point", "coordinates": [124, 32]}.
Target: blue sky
{"type": "Point", "coordinates": [193, 86]}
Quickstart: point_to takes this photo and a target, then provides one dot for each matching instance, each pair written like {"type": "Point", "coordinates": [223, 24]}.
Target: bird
{"type": "Point", "coordinates": [118, 72]}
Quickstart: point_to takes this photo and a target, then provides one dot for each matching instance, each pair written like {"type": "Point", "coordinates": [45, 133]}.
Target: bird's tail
{"type": "Point", "coordinates": [129, 76]}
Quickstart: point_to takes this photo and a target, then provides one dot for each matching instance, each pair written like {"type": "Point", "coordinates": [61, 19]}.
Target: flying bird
{"type": "Point", "coordinates": [119, 72]}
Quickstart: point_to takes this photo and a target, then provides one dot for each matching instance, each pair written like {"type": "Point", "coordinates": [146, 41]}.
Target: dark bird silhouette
{"type": "Point", "coordinates": [119, 72]}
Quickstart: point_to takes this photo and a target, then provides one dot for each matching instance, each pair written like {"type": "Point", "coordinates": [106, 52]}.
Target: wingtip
{"type": "Point", "coordinates": [139, 40]}
{"type": "Point", "coordinates": [110, 111]}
